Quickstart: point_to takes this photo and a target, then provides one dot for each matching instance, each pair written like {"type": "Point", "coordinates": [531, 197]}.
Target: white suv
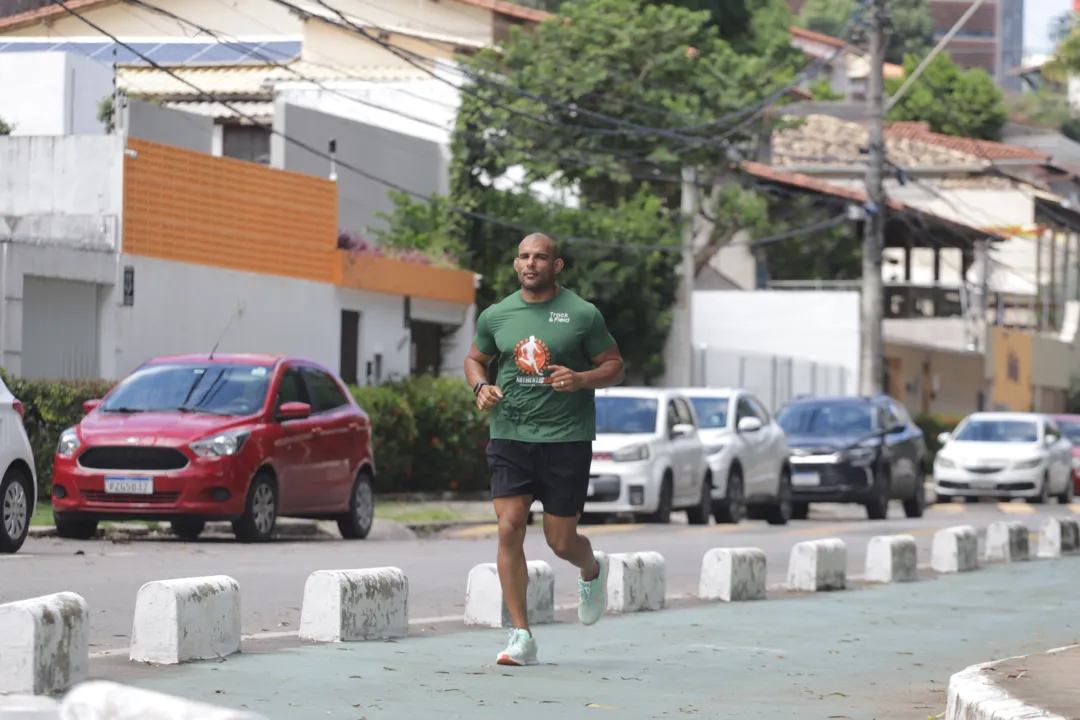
{"type": "Point", "coordinates": [18, 485]}
{"type": "Point", "coordinates": [747, 453]}
{"type": "Point", "coordinates": [647, 457]}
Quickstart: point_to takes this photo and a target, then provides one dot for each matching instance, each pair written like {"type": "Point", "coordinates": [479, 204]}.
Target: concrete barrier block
{"type": "Point", "coordinates": [1059, 536]}
{"type": "Point", "coordinates": [186, 619]}
{"type": "Point", "coordinates": [733, 575]}
{"type": "Point", "coordinates": [1007, 541]}
{"type": "Point", "coordinates": [485, 604]}
{"type": "Point", "coordinates": [891, 558]}
{"type": "Point", "coordinates": [955, 549]}
{"type": "Point", "coordinates": [817, 565]}
{"type": "Point", "coordinates": [353, 605]}
{"type": "Point", "coordinates": [111, 701]}
{"type": "Point", "coordinates": [44, 644]}
{"type": "Point", "coordinates": [636, 581]}
{"type": "Point", "coordinates": [28, 707]}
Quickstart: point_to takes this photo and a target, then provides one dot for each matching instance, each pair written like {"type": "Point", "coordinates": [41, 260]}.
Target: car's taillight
{"type": "Point", "coordinates": [19, 409]}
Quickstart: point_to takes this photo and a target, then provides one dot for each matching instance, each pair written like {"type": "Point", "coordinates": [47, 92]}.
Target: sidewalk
{"type": "Point", "coordinates": [1047, 682]}
{"type": "Point", "coordinates": [884, 652]}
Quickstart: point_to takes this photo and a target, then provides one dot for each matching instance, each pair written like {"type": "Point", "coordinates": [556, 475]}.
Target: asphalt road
{"type": "Point", "coordinates": [272, 576]}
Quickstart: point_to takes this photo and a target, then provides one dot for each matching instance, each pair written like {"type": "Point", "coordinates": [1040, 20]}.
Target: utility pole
{"type": "Point", "coordinates": [871, 374]}
{"type": "Point", "coordinates": [678, 355]}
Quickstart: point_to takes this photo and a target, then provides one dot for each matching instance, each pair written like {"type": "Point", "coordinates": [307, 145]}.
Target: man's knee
{"type": "Point", "coordinates": [561, 536]}
{"type": "Point", "coordinates": [512, 527]}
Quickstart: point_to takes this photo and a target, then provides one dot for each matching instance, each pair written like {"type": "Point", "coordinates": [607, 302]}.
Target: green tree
{"type": "Point", "coordinates": [5, 128]}
{"type": "Point", "coordinates": [667, 75]}
{"type": "Point", "coordinates": [821, 91]}
{"type": "Point", "coordinates": [911, 26]}
{"type": "Point", "coordinates": [749, 26]}
{"type": "Point", "coordinates": [966, 103]}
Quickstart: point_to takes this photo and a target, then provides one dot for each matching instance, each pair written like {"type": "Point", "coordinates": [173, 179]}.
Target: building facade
{"type": "Point", "coordinates": [992, 38]}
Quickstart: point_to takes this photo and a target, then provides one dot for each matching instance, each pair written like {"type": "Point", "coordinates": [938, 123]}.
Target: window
{"type": "Point", "coordinates": [686, 415]}
{"type": "Point", "coordinates": [744, 410]}
{"type": "Point", "coordinates": [625, 415]}
{"type": "Point", "coordinates": [672, 415]}
{"type": "Point", "coordinates": [901, 413]}
{"type": "Point", "coordinates": [327, 395]}
{"type": "Point", "coordinates": [758, 409]}
{"type": "Point", "coordinates": [292, 389]}
{"type": "Point", "coordinates": [711, 412]}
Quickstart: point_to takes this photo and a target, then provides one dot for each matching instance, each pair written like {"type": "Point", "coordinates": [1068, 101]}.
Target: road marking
{"type": "Point", "coordinates": [1016, 509]}
{"type": "Point", "coordinates": [475, 531]}
{"type": "Point", "coordinates": [15, 556]}
{"type": "Point", "coordinates": [1075, 507]}
{"type": "Point", "coordinates": [607, 529]}
{"type": "Point", "coordinates": [820, 530]}
{"type": "Point", "coordinates": [950, 509]}
{"type": "Point", "coordinates": [712, 529]}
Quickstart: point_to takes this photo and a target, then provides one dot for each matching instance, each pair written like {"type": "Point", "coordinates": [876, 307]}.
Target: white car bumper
{"type": "Point", "coordinates": [1009, 482]}
{"type": "Point", "coordinates": [619, 488]}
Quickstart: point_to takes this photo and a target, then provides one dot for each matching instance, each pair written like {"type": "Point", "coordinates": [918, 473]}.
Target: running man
{"type": "Point", "coordinates": [542, 426]}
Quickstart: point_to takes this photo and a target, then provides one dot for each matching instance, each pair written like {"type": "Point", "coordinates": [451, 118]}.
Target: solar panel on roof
{"type": "Point", "coordinates": [280, 50]}
{"type": "Point", "coordinates": [177, 53]}
{"type": "Point", "coordinates": [228, 53]}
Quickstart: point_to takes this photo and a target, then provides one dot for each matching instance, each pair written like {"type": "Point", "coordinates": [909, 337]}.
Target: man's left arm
{"type": "Point", "coordinates": [608, 370]}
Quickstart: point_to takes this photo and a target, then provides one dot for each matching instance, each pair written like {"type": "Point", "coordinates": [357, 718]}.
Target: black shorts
{"type": "Point", "coordinates": [556, 474]}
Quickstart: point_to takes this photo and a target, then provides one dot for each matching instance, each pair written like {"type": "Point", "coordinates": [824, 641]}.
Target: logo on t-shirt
{"type": "Point", "coordinates": [559, 317]}
{"type": "Point", "coordinates": [532, 358]}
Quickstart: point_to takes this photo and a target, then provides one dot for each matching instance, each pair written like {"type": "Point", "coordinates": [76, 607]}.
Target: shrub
{"type": "Point", "coordinates": [934, 425]}
{"type": "Point", "coordinates": [451, 434]}
{"type": "Point", "coordinates": [393, 435]}
{"type": "Point", "coordinates": [50, 407]}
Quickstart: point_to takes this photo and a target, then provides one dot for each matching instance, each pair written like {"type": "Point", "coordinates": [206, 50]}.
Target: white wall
{"type": "Point", "coordinates": [64, 190]}
{"type": "Point", "coordinates": [52, 93]}
{"type": "Point", "coordinates": [821, 327]}
{"type": "Point", "coordinates": [183, 308]}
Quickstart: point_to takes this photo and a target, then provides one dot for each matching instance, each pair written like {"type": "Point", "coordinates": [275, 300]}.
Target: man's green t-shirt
{"type": "Point", "coordinates": [529, 338]}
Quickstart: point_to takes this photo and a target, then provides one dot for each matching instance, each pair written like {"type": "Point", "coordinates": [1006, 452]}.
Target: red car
{"type": "Point", "coordinates": [1070, 428]}
{"type": "Point", "coordinates": [197, 438]}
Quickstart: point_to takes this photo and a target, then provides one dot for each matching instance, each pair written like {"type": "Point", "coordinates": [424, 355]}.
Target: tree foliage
{"type": "Point", "coordinates": [910, 31]}
{"type": "Point", "coordinates": [5, 127]}
{"type": "Point", "coordinates": [966, 103]}
{"type": "Point", "coordinates": [533, 113]}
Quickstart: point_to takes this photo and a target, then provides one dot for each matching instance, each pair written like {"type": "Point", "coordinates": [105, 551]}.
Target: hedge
{"type": "Point", "coordinates": [934, 425]}
{"type": "Point", "coordinates": [428, 434]}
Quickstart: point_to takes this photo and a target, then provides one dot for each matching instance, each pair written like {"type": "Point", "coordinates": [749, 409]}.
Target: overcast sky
{"type": "Point", "coordinates": [1037, 17]}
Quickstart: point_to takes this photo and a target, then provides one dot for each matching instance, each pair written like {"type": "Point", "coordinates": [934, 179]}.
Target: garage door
{"type": "Point", "coordinates": [59, 329]}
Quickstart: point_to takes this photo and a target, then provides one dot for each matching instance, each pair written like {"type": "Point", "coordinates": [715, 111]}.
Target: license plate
{"type": "Point", "coordinates": [806, 478]}
{"type": "Point", "coordinates": [129, 485]}
{"type": "Point", "coordinates": [983, 485]}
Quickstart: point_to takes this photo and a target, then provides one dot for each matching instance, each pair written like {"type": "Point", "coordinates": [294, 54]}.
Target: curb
{"type": "Point", "coordinates": [975, 696]}
{"type": "Point", "coordinates": [126, 531]}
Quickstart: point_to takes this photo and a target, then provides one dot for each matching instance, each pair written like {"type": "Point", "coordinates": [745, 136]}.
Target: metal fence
{"type": "Point", "coordinates": [773, 379]}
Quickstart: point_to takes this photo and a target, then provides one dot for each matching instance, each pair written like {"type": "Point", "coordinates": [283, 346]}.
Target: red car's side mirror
{"type": "Point", "coordinates": [90, 406]}
{"type": "Point", "coordinates": [294, 411]}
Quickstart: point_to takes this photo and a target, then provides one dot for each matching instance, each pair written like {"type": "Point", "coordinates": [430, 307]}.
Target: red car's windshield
{"type": "Point", "coordinates": [213, 388]}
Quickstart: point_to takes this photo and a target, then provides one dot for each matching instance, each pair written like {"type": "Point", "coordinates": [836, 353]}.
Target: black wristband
{"type": "Point", "coordinates": [476, 389]}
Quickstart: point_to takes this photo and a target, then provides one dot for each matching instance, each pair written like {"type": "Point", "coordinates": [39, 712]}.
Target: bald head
{"type": "Point", "coordinates": [540, 240]}
{"type": "Point", "coordinates": [537, 263]}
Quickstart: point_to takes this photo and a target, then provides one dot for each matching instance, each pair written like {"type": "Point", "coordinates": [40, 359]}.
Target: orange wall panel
{"type": "Point", "coordinates": [1012, 369]}
{"type": "Point", "coordinates": [397, 277]}
{"type": "Point", "coordinates": [191, 207]}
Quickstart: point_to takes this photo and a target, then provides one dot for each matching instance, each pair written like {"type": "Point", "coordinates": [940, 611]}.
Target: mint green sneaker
{"type": "Point", "coordinates": [520, 651]}
{"type": "Point", "coordinates": [592, 595]}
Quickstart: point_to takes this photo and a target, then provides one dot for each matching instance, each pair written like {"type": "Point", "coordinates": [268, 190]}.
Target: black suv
{"type": "Point", "coordinates": [863, 450]}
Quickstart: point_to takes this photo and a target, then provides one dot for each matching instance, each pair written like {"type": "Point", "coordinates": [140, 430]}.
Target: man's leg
{"type": "Point", "coordinates": [513, 513]}
{"type": "Point", "coordinates": [565, 480]}
{"type": "Point", "coordinates": [512, 488]}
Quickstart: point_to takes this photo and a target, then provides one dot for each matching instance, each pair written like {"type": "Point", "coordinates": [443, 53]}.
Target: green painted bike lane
{"type": "Point", "coordinates": [873, 652]}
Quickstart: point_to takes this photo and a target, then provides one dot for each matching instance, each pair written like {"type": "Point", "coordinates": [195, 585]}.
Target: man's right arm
{"type": "Point", "coordinates": [476, 363]}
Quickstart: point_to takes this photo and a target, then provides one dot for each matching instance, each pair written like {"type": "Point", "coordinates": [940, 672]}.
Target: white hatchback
{"type": "Point", "coordinates": [747, 453]}
{"type": "Point", "coordinates": [1005, 455]}
{"type": "Point", "coordinates": [18, 485]}
{"type": "Point", "coordinates": [647, 457]}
